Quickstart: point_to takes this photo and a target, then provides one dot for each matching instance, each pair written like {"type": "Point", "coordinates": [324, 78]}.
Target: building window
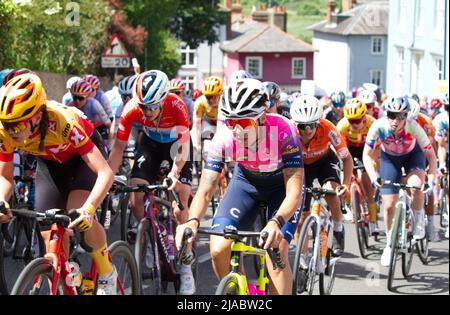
{"type": "Point", "coordinates": [402, 13]}
{"type": "Point", "coordinates": [190, 82]}
{"type": "Point", "coordinates": [377, 45]}
{"type": "Point", "coordinates": [420, 17]}
{"type": "Point", "coordinates": [400, 71]}
{"type": "Point", "coordinates": [438, 69]}
{"type": "Point", "coordinates": [298, 68]}
{"type": "Point", "coordinates": [188, 58]}
{"type": "Point", "coordinates": [417, 73]}
{"type": "Point", "coordinates": [439, 21]}
{"type": "Point", "coordinates": [254, 65]}
{"type": "Point", "coordinates": [376, 77]}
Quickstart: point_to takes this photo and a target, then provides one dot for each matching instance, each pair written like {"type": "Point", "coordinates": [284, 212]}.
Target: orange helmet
{"type": "Point", "coordinates": [212, 86]}
{"type": "Point", "coordinates": [354, 109]}
{"type": "Point", "coordinates": [21, 98]}
{"type": "Point", "coordinates": [177, 85]}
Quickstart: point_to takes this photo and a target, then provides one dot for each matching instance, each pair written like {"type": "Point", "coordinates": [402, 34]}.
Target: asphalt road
{"type": "Point", "coordinates": [354, 275]}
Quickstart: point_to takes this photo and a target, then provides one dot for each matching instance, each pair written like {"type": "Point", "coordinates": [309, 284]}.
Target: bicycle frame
{"type": "Point", "coordinates": [326, 229]}
{"type": "Point", "coordinates": [408, 222]}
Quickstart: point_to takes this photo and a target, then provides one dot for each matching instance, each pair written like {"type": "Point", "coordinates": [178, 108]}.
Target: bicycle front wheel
{"type": "Point", "coordinates": [229, 285]}
{"type": "Point", "coordinates": [306, 257]}
{"type": "Point", "coordinates": [395, 244]}
{"type": "Point", "coordinates": [423, 250]}
{"type": "Point", "coordinates": [128, 282]}
{"type": "Point", "coordinates": [35, 279]}
{"type": "Point", "coordinates": [361, 231]}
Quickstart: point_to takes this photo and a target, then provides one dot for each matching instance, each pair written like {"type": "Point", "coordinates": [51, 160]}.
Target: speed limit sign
{"type": "Point", "coordinates": [116, 55]}
{"type": "Point", "coordinates": [115, 62]}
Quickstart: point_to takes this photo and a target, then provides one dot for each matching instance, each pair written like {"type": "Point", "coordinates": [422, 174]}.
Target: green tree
{"type": "Point", "coordinates": [7, 11]}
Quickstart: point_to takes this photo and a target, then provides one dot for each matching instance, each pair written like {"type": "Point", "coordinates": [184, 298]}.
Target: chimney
{"type": "Point", "coordinates": [279, 18]}
{"type": "Point", "coordinates": [227, 4]}
{"type": "Point", "coordinates": [347, 5]}
{"type": "Point", "coordinates": [331, 6]}
{"type": "Point", "coordinates": [261, 15]}
{"type": "Point", "coordinates": [236, 10]}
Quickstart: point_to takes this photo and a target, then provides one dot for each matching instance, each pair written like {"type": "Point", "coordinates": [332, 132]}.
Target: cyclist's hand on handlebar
{"type": "Point", "coordinates": [180, 233]}
{"type": "Point", "coordinates": [341, 190]}
{"type": "Point", "coordinates": [173, 182]}
{"type": "Point", "coordinates": [5, 214]}
{"type": "Point", "coordinates": [274, 236]}
{"type": "Point", "coordinates": [377, 183]}
{"type": "Point", "coordinates": [85, 219]}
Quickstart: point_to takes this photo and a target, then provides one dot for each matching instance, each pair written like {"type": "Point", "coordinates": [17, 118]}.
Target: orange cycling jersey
{"type": "Point", "coordinates": [68, 133]}
{"type": "Point", "coordinates": [353, 137]}
{"type": "Point", "coordinates": [202, 108]}
{"type": "Point", "coordinates": [326, 136]}
{"type": "Point", "coordinates": [427, 125]}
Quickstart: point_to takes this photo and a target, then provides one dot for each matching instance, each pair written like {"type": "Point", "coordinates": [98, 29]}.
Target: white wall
{"type": "Point", "coordinates": [331, 63]}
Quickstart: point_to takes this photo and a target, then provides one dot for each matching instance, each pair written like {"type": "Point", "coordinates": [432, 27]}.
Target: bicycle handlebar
{"type": "Point", "coordinates": [320, 191]}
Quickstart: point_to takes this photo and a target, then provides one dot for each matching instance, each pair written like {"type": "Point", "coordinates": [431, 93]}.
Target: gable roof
{"type": "Point", "coordinates": [254, 37]}
{"type": "Point", "coordinates": [369, 18]}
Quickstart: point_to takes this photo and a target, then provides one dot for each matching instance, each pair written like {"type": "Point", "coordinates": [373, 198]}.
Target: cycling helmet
{"type": "Point", "coordinates": [3, 74]}
{"type": "Point", "coordinates": [239, 75]}
{"type": "Point", "coordinates": [397, 104]}
{"type": "Point", "coordinates": [81, 87]}
{"type": "Point", "coordinates": [444, 99]}
{"type": "Point", "coordinates": [414, 96]}
{"type": "Point", "coordinates": [374, 88]}
{"type": "Point", "coordinates": [177, 85]}
{"type": "Point", "coordinates": [15, 73]}
{"type": "Point", "coordinates": [92, 80]}
{"type": "Point", "coordinates": [196, 94]}
{"type": "Point", "coordinates": [436, 104]}
{"type": "Point", "coordinates": [21, 98]}
{"type": "Point", "coordinates": [294, 96]}
{"type": "Point", "coordinates": [272, 91]}
{"type": "Point", "coordinates": [354, 109]}
{"type": "Point", "coordinates": [244, 99]}
{"type": "Point", "coordinates": [151, 87]}
{"type": "Point", "coordinates": [306, 109]}
{"type": "Point", "coordinates": [212, 86]}
{"type": "Point", "coordinates": [414, 108]}
{"type": "Point", "coordinates": [126, 85]}
{"type": "Point", "coordinates": [368, 97]}
{"type": "Point", "coordinates": [71, 81]}
{"type": "Point", "coordinates": [338, 99]}
{"type": "Point", "coordinates": [284, 99]}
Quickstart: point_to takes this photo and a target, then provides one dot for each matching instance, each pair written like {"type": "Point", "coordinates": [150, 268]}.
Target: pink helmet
{"type": "Point", "coordinates": [92, 80]}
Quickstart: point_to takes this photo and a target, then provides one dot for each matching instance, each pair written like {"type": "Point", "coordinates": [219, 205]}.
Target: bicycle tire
{"type": "Point", "coordinates": [326, 279]}
{"type": "Point", "coordinates": [33, 251]}
{"type": "Point", "coordinates": [145, 240]}
{"type": "Point", "coordinates": [302, 282]}
{"type": "Point", "coordinates": [38, 267]}
{"type": "Point", "coordinates": [422, 248]}
{"type": "Point", "coordinates": [8, 247]}
{"type": "Point", "coordinates": [357, 213]}
{"type": "Point", "coordinates": [3, 283]}
{"type": "Point", "coordinates": [122, 249]}
{"type": "Point", "coordinates": [124, 211]}
{"type": "Point", "coordinates": [443, 215]}
{"type": "Point", "coordinates": [407, 258]}
{"type": "Point", "coordinates": [228, 285]}
{"type": "Point", "coordinates": [395, 228]}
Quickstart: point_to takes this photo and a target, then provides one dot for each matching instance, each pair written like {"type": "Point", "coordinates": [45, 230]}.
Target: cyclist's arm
{"type": "Point", "coordinates": [293, 181]}
{"type": "Point", "coordinates": [105, 177]}
{"type": "Point", "coordinates": [348, 170]}
{"type": "Point", "coordinates": [442, 151]}
{"type": "Point", "coordinates": [432, 162]}
{"type": "Point", "coordinates": [369, 155]}
{"type": "Point", "coordinates": [6, 180]}
{"type": "Point", "coordinates": [115, 157]}
{"type": "Point", "coordinates": [205, 192]}
{"type": "Point", "coordinates": [197, 127]}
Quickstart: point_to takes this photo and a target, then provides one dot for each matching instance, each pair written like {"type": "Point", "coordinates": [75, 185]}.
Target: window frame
{"type": "Point", "coordinates": [186, 49]}
{"type": "Point", "coordinates": [297, 76]}
{"type": "Point", "coordinates": [372, 43]}
{"type": "Point", "coordinates": [260, 67]}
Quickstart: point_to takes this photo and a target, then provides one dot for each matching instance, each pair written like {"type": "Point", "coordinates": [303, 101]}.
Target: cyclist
{"type": "Point", "coordinates": [272, 91]}
{"type": "Point", "coordinates": [284, 106]}
{"type": "Point", "coordinates": [178, 87]}
{"type": "Point", "coordinates": [317, 136]}
{"type": "Point", "coordinates": [403, 144]}
{"type": "Point", "coordinates": [335, 112]}
{"type": "Point", "coordinates": [435, 108]}
{"type": "Point", "coordinates": [205, 116]}
{"type": "Point", "coordinates": [369, 98]}
{"type": "Point", "coordinates": [81, 90]}
{"type": "Point", "coordinates": [165, 122]}
{"type": "Point", "coordinates": [269, 168]}
{"type": "Point", "coordinates": [72, 172]}
{"type": "Point", "coordinates": [67, 98]}
{"type": "Point", "coordinates": [196, 93]}
{"type": "Point", "coordinates": [427, 125]}
{"type": "Point", "coordinates": [441, 124]}
{"type": "Point", "coordinates": [354, 128]}
{"type": "Point", "coordinates": [100, 96]}
{"type": "Point", "coordinates": [239, 75]}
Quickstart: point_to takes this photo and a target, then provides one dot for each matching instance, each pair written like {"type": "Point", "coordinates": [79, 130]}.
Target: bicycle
{"type": "Point", "coordinates": [361, 212]}
{"type": "Point", "coordinates": [314, 248]}
{"type": "Point", "coordinates": [58, 274]}
{"type": "Point", "coordinates": [443, 201]}
{"type": "Point", "coordinates": [236, 282]}
{"type": "Point", "coordinates": [402, 229]}
{"type": "Point", "coordinates": [154, 248]}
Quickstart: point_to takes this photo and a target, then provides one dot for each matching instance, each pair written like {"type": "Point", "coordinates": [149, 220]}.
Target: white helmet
{"type": "Point", "coordinates": [306, 109]}
{"type": "Point", "coordinates": [367, 96]}
{"type": "Point", "coordinates": [151, 87]}
{"type": "Point", "coordinates": [414, 109]}
{"type": "Point", "coordinates": [126, 86]}
{"type": "Point", "coordinates": [243, 99]}
{"type": "Point", "coordinates": [240, 75]}
{"type": "Point", "coordinates": [71, 81]}
{"type": "Point", "coordinates": [284, 98]}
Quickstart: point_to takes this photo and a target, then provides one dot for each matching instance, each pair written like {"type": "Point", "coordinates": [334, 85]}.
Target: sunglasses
{"type": "Point", "coordinates": [151, 108]}
{"type": "Point", "coordinates": [79, 98]}
{"type": "Point", "coordinates": [355, 121]}
{"type": "Point", "coordinates": [243, 123]}
{"type": "Point", "coordinates": [397, 116]}
{"type": "Point", "coordinates": [16, 127]}
{"type": "Point", "coordinates": [303, 127]}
